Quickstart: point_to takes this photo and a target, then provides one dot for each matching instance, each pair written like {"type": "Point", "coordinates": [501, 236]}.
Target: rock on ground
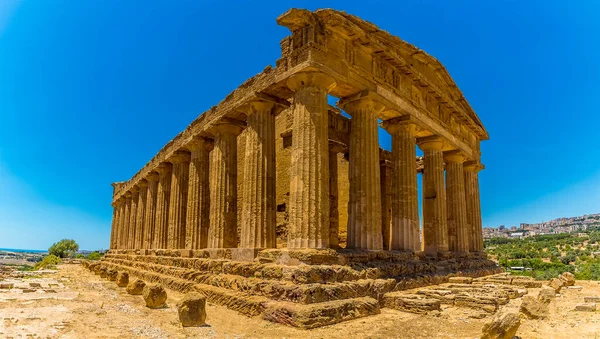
{"type": "Point", "coordinates": [546, 295]}
{"type": "Point", "coordinates": [556, 284]}
{"type": "Point", "coordinates": [502, 326]}
{"type": "Point", "coordinates": [568, 278]}
{"type": "Point", "coordinates": [586, 307]}
{"type": "Point", "coordinates": [154, 295]}
{"type": "Point", "coordinates": [533, 308]}
{"type": "Point", "coordinates": [192, 310]}
{"type": "Point", "coordinates": [135, 287]}
{"type": "Point", "coordinates": [122, 279]}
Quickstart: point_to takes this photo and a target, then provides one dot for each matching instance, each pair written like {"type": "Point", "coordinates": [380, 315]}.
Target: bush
{"type": "Point", "coordinates": [95, 256]}
{"type": "Point", "coordinates": [79, 256]}
{"type": "Point", "coordinates": [50, 261]}
{"type": "Point", "coordinates": [64, 248]}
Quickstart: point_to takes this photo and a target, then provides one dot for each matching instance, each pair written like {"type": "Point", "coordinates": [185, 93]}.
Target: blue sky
{"type": "Point", "coordinates": [91, 90]}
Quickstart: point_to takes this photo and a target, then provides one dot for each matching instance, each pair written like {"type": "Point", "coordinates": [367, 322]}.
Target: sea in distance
{"type": "Point", "coordinates": [22, 250]}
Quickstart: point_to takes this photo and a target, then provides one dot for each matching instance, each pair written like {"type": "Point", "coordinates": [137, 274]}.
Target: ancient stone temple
{"type": "Point", "coordinates": [275, 202]}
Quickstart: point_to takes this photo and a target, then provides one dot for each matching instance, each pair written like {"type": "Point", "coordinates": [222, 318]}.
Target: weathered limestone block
{"type": "Point", "coordinates": [586, 307]}
{"type": "Point", "coordinates": [111, 274]}
{"type": "Point", "coordinates": [546, 295]}
{"type": "Point", "coordinates": [568, 278]}
{"type": "Point", "coordinates": [501, 326]}
{"type": "Point", "coordinates": [135, 287]}
{"type": "Point", "coordinates": [102, 271]}
{"type": "Point", "coordinates": [410, 302]}
{"type": "Point", "coordinates": [533, 308]}
{"type": "Point", "coordinates": [364, 208]}
{"type": "Point", "coordinates": [460, 280]}
{"type": "Point", "coordinates": [480, 302]}
{"type": "Point", "coordinates": [435, 227]}
{"type": "Point", "coordinates": [309, 171]}
{"type": "Point", "coordinates": [556, 284]}
{"type": "Point", "coordinates": [122, 279]}
{"type": "Point", "coordinates": [192, 310]}
{"type": "Point", "coordinates": [154, 295]}
{"type": "Point", "coordinates": [592, 299]}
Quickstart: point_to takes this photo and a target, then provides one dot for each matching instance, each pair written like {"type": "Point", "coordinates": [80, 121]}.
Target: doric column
{"type": "Point", "coordinates": [475, 232]}
{"type": "Point", "coordinates": [161, 223]}
{"type": "Point", "coordinates": [458, 240]}
{"type": "Point", "coordinates": [385, 170]}
{"type": "Point", "coordinates": [435, 230]}
{"type": "Point", "coordinates": [198, 208]}
{"type": "Point", "coordinates": [132, 218]}
{"type": "Point", "coordinates": [150, 215]}
{"type": "Point", "coordinates": [364, 208]}
{"type": "Point", "coordinates": [334, 213]}
{"type": "Point", "coordinates": [258, 187]}
{"type": "Point", "coordinates": [120, 222]}
{"type": "Point", "coordinates": [126, 221]}
{"type": "Point", "coordinates": [405, 200]}
{"type": "Point", "coordinates": [113, 227]}
{"type": "Point", "coordinates": [223, 187]}
{"type": "Point", "coordinates": [140, 215]}
{"type": "Point", "coordinates": [309, 171]}
{"type": "Point", "coordinates": [178, 199]}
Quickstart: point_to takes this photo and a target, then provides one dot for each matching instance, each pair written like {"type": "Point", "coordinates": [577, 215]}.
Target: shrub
{"type": "Point", "coordinates": [64, 248]}
{"type": "Point", "coordinates": [95, 256]}
{"type": "Point", "coordinates": [49, 261]}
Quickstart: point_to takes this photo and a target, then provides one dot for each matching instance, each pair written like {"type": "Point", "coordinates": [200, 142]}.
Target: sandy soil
{"type": "Point", "coordinates": [84, 306]}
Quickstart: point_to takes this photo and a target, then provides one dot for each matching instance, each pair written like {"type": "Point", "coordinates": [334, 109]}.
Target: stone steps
{"type": "Point", "coordinates": [412, 303]}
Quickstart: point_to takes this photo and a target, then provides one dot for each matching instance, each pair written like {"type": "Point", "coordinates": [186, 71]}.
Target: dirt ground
{"type": "Point", "coordinates": [78, 304]}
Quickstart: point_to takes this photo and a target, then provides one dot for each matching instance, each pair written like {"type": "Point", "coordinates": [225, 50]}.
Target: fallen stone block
{"type": "Point", "coordinates": [111, 275]}
{"type": "Point", "coordinates": [574, 287]}
{"type": "Point", "coordinates": [568, 278]}
{"type": "Point", "coordinates": [556, 284]}
{"type": "Point", "coordinates": [154, 295]}
{"type": "Point", "coordinates": [192, 310]}
{"type": "Point", "coordinates": [533, 308]}
{"type": "Point", "coordinates": [501, 326]}
{"type": "Point", "coordinates": [6, 286]}
{"type": "Point", "coordinates": [546, 295]}
{"type": "Point", "coordinates": [460, 280]}
{"type": "Point", "coordinates": [136, 287]}
{"type": "Point", "coordinates": [411, 302]}
{"type": "Point", "coordinates": [592, 299]}
{"type": "Point", "coordinates": [122, 279]}
{"type": "Point", "coordinates": [28, 290]}
{"type": "Point", "coordinates": [586, 307]}
{"type": "Point", "coordinates": [35, 285]}
{"type": "Point", "coordinates": [478, 302]}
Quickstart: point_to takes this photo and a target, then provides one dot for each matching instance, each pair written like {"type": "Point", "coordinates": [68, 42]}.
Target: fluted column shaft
{"type": "Point", "coordinates": [178, 200]}
{"type": "Point", "coordinates": [161, 224]}
{"type": "Point", "coordinates": [150, 214]}
{"type": "Point", "coordinates": [121, 223]}
{"type": "Point", "coordinates": [334, 213]}
{"type": "Point", "coordinates": [405, 200]}
{"type": "Point", "coordinates": [474, 224]}
{"type": "Point", "coordinates": [386, 203]}
{"type": "Point", "coordinates": [126, 221]}
{"type": "Point", "coordinates": [223, 188]}
{"type": "Point", "coordinates": [364, 208]}
{"type": "Point", "coordinates": [258, 187]}
{"type": "Point", "coordinates": [309, 172]}
{"type": "Point", "coordinates": [140, 214]}
{"type": "Point", "coordinates": [132, 218]}
{"type": "Point", "coordinates": [435, 229]}
{"type": "Point", "coordinates": [198, 208]}
{"type": "Point", "coordinates": [113, 227]}
{"type": "Point", "coordinates": [458, 234]}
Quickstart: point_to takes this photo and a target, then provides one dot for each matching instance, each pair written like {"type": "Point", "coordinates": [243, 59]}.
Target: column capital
{"type": "Point", "coordinates": [143, 183]}
{"type": "Point", "coordinates": [362, 100]}
{"type": "Point", "coordinates": [429, 143]}
{"type": "Point", "coordinates": [197, 143]}
{"type": "Point", "coordinates": [135, 191]}
{"type": "Point", "coordinates": [336, 147]}
{"type": "Point", "coordinates": [229, 126]}
{"type": "Point", "coordinates": [179, 157]}
{"type": "Point", "coordinates": [403, 123]}
{"type": "Point", "coordinates": [152, 176]}
{"type": "Point", "coordinates": [311, 79]}
{"type": "Point", "coordinates": [473, 166]}
{"type": "Point", "coordinates": [455, 156]}
{"type": "Point", "coordinates": [128, 196]}
{"type": "Point", "coordinates": [164, 167]}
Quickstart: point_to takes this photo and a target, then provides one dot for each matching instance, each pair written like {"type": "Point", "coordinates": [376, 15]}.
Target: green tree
{"type": "Point", "coordinates": [95, 256]}
{"type": "Point", "coordinates": [64, 248]}
{"type": "Point", "coordinates": [50, 261]}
